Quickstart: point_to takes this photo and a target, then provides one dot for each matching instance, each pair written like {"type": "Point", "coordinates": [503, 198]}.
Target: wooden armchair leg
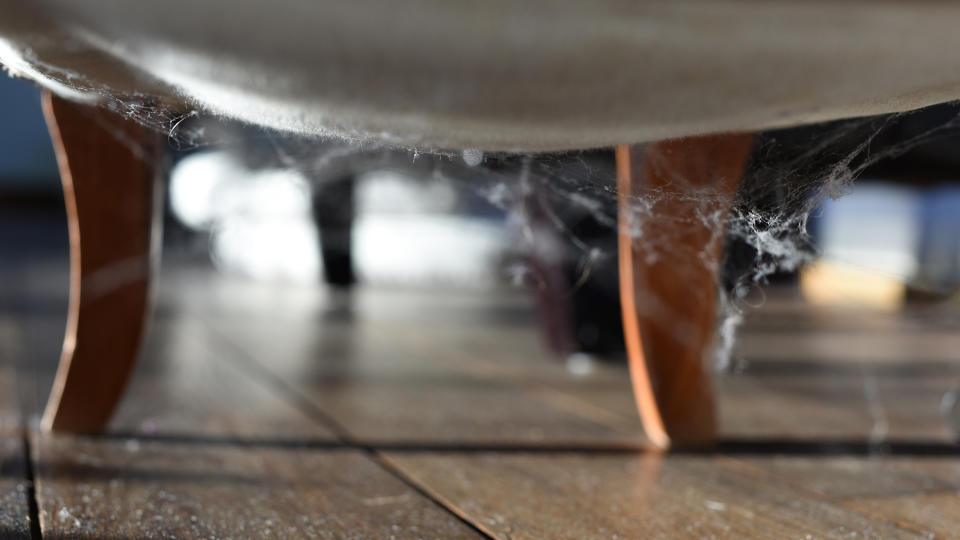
{"type": "Point", "coordinates": [108, 166]}
{"type": "Point", "coordinates": [674, 199]}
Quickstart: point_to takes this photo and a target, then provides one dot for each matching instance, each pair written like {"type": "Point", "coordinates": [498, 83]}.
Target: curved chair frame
{"type": "Point", "coordinates": [109, 170]}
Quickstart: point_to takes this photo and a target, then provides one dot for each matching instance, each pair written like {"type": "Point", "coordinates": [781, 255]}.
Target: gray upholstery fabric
{"type": "Point", "coordinates": [498, 74]}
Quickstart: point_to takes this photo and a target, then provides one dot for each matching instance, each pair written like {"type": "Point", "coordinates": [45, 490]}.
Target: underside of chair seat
{"type": "Point", "coordinates": [496, 74]}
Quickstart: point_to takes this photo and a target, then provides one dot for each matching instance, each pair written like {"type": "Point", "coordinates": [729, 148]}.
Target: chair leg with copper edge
{"type": "Point", "coordinates": [674, 199]}
{"type": "Point", "coordinates": [110, 175]}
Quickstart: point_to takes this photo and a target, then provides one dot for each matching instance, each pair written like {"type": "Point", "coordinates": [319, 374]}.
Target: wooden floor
{"type": "Point", "coordinates": [266, 411]}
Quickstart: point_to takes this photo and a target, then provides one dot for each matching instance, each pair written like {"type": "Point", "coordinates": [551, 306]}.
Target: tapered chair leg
{"type": "Point", "coordinates": [108, 166]}
{"type": "Point", "coordinates": [333, 213]}
{"type": "Point", "coordinates": [674, 200]}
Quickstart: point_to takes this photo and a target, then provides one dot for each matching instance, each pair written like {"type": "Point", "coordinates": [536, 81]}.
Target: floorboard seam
{"type": "Point", "coordinates": [387, 465]}
{"type": "Point", "coordinates": [289, 393]}
{"type": "Point", "coordinates": [33, 506]}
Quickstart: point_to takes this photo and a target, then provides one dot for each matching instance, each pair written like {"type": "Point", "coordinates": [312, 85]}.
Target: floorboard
{"type": "Point", "coordinates": [114, 489]}
{"type": "Point", "coordinates": [267, 410]}
{"type": "Point", "coordinates": [388, 379]}
{"type": "Point", "coordinates": [200, 447]}
{"type": "Point", "coordinates": [936, 513]}
{"type": "Point", "coordinates": [14, 479]}
{"type": "Point", "coordinates": [593, 495]}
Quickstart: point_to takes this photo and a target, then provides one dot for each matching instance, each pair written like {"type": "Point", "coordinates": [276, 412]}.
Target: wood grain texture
{"type": "Point", "coordinates": [669, 275]}
{"type": "Point", "coordinates": [108, 167]}
{"type": "Point", "coordinates": [532, 496]}
{"type": "Point", "coordinates": [199, 448]}
{"type": "Point", "coordinates": [186, 386]}
{"type": "Point", "coordinates": [938, 514]}
{"type": "Point", "coordinates": [852, 478]}
{"type": "Point", "coordinates": [828, 406]}
{"type": "Point", "coordinates": [224, 431]}
{"type": "Point", "coordinates": [386, 380]}
{"type": "Point", "coordinates": [14, 507]}
{"type": "Point", "coordinates": [92, 488]}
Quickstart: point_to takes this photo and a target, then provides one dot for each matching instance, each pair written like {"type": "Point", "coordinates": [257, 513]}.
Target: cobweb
{"type": "Point", "coordinates": [565, 205]}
